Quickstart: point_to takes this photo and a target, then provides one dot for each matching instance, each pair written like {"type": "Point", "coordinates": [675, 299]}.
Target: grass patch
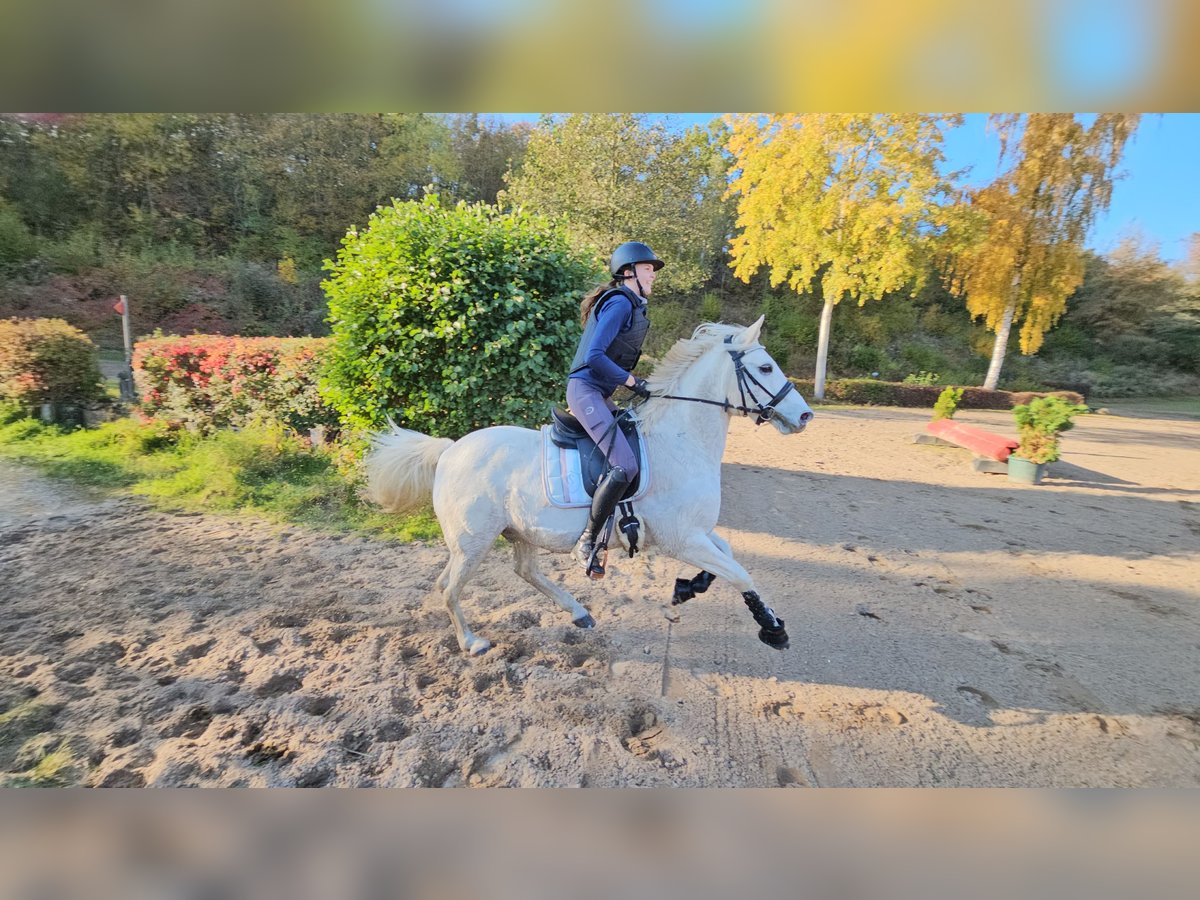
{"type": "Point", "coordinates": [25, 746]}
{"type": "Point", "coordinates": [265, 471]}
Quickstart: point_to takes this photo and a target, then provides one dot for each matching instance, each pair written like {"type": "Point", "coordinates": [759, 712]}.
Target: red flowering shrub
{"type": "Point", "coordinates": [47, 361]}
{"type": "Point", "coordinates": [206, 381]}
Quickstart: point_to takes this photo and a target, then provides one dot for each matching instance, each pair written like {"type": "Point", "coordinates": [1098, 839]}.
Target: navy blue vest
{"type": "Point", "coordinates": [626, 348]}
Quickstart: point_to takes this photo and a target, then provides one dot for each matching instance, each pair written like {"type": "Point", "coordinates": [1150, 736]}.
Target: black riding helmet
{"type": "Point", "coordinates": [631, 253]}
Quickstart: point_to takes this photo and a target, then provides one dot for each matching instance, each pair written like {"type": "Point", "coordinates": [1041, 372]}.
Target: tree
{"type": "Point", "coordinates": [623, 177]}
{"type": "Point", "coordinates": [312, 176]}
{"type": "Point", "coordinates": [850, 199]}
{"type": "Point", "coordinates": [1120, 294]}
{"type": "Point", "coordinates": [485, 151]}
{"type": "Point", "coordinates": [1037, 214]}
{"type": "Point", "coordinates": [1189, 266]}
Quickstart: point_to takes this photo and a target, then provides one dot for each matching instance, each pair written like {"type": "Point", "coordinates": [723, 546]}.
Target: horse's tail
{"type": "Point", "coordinates": [400, 467]}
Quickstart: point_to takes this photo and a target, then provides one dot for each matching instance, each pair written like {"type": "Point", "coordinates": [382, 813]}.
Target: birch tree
{"type": "Point", "coordinates": [850, 200]}
{"type": "Point", "coordinates": [1037, 215]}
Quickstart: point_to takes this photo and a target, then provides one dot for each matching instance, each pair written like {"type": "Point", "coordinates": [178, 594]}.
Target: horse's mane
{"type": "Point", "coordinates": [665, 377]}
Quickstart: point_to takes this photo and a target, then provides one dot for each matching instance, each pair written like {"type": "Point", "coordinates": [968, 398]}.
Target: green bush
{"type": "Point", "coordinates": [47, 361]}
{"type": "Point", "coordinates": [451, 319]}
{"type": "Point", "coordinates": [947, 403]}
{"type": "Point", "coordinates": [1039, 423]}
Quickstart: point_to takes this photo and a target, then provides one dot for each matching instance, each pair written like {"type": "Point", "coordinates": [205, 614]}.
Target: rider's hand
{"type": "Point", "coordinates": [640, 388]}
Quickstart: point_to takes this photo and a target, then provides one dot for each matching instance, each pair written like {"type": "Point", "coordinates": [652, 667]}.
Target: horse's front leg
{"type": "Point", "coordinates": [687, 588]}
{"type": "Point", "coordinates": [703, 551]}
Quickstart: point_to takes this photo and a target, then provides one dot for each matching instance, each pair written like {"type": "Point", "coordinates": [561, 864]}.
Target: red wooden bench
{"type": "Point", "coordinates": [984, 443]}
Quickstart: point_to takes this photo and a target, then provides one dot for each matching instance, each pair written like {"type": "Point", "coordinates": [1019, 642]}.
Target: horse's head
{"type": "Point", "coordinates": [760, 387]}
{"type": "Point", "coordinates": [730, 360]}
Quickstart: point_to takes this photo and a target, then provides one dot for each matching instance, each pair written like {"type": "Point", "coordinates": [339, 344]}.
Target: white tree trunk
{"type": "Point", "coordinates": [823, 349]}
{"type": "Point", "coordinates": [1000, 348]}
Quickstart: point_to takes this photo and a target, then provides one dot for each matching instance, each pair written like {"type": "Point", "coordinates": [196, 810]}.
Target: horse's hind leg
{"type": "Point", "coordinates": [464, 560]}
{"type": "Point", "coordinates": [525, 562]}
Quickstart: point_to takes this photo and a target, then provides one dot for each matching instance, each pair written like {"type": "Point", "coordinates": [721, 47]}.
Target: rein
{"type": "Point", "coordinates": [764, 411]}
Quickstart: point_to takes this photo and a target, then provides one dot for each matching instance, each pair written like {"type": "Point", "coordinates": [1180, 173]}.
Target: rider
{"type": "Point", "coordinates": [614, 327]}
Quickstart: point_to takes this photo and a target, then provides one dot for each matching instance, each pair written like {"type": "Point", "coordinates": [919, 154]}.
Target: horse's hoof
{"type": "Point", "coordinates": [584, 621]}
{"type": "Point", "coordinates": [776, 638]}
{"type": "Point", "coordinates": [479, 646]}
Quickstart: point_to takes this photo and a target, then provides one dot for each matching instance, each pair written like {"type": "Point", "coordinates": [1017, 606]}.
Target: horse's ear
{"type": "Point", "coordinates": [749, 337]}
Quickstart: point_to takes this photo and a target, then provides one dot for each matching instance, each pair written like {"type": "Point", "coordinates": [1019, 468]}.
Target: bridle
{"type": "Point", "coordinates": [765, 411]}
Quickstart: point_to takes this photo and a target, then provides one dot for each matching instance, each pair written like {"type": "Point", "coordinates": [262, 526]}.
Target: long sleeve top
{"type": "Point", "coordinates": [602, 372]}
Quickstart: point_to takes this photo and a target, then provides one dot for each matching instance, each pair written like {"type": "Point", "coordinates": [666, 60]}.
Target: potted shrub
{"type": "Point", "coordinates": [1039, 424]}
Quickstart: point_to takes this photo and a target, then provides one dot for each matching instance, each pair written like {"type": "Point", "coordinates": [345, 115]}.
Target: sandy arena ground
{"type": "Point", "coordinates": [947, 627]}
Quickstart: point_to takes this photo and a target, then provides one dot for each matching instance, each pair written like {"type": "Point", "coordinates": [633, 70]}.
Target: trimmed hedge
{"type": "Point", "coordinates": [449, 319]}
{"type": "Point", "coordinates": [47, 361]}
{"type": "Point", "coordinates": [206, 381]}
{"type": "Point", "coordinates": [869, 392]}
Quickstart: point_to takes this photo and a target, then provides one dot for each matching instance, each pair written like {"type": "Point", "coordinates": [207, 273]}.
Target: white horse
{"type": "Point", "coordinates": [489, 483]}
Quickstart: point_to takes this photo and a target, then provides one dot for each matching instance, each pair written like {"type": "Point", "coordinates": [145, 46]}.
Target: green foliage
{"type": "Point", "coordinates": [710, 307]}
{"type": "Point", "coordinates": [449, 319]}
{"type": "Point", "coordinates": [922, 378]}
{"type": "Point", "coordinates": [17, 245]}
{"type": "Point", "coordinates": [264, 470]}
{"type": "Point", "coordinates": [922, 358]}
{"type": "Point", "coordinates": [615, 177]}
{"type": "Point", "coordinates": [1039, 423]}
{"type": "Point", "coordinates": [791, 328]}
{"type": "Point", "coordinates": [947, 403]}
{"type": "Point", "coordinates": [669, 321]}
{"type": "Point", "coordinates": [83, 249]}
{"type": "Point", "coordinates": [47, 361]}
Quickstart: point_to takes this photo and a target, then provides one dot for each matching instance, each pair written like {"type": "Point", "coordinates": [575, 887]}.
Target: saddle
{"type": "Point", "coordinates": [572, 464]}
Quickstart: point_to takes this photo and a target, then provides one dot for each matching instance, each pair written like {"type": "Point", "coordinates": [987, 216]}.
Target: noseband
{"type": "Point", "coordinates": [764, 411]}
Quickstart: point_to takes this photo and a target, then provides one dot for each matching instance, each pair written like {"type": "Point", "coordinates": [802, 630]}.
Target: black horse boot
{"type": "Point", "coordinates": [608, 493]}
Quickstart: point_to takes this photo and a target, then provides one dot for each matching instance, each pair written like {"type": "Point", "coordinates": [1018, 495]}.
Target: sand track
{"type": "Point", "coordinates": [948, 628]}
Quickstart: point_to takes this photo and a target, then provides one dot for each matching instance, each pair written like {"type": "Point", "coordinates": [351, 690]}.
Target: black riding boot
{"type": "Point", "coordinates": [608, 493]}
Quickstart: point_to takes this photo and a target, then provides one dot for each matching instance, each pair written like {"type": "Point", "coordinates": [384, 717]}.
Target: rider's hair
{"type": "Point", "coordinates": [585, 307]}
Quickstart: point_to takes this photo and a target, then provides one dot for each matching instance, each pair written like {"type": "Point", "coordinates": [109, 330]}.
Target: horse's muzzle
{"type": "Point", "coordinates": [794, 423]}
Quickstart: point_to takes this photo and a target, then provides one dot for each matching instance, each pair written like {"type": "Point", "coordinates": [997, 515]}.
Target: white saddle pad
{"type": "Point", "coordinates": [563, 481]}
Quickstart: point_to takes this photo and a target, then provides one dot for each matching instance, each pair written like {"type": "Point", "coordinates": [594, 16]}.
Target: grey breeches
{"type": "Point", "coordinates": [595, 412]}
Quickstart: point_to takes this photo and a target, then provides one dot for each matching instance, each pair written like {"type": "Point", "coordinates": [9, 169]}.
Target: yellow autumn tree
{"type": "Point", "coordinates": [1028, 259]}
{"type": "Point", "coordinates": [851, 200]}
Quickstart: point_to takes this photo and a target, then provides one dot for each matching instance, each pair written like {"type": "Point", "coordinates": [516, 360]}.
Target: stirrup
{"type": "Point", "coordinates": [595, 567]}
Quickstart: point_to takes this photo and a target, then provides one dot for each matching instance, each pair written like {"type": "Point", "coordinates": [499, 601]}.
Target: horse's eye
{"type": "Point", "coordinates": [766, 368]}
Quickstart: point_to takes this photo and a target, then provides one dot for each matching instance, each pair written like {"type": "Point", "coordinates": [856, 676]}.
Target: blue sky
{"type": "Point", "coordinates": [1159, 194]}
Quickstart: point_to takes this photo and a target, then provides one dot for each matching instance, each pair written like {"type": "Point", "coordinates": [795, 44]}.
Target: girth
{"type": "Point", "coordinates": [566, 431]}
